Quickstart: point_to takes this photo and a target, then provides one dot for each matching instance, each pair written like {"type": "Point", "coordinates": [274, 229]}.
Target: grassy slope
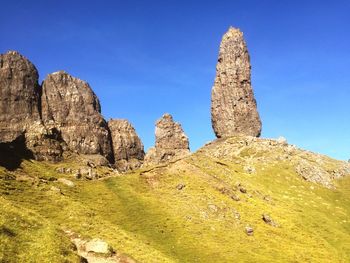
{"type": "Point", "coordinates": [145, 216]}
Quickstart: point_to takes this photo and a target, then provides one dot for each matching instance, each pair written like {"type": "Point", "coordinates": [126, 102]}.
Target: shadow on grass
{"type": "Point", "coordinates": [13, 153]}
{"type": "Point", "coordinates": [7, 232]}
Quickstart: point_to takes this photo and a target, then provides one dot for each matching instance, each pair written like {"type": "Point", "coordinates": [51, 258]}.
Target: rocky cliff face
{"type": "Point", "coordinates": [127, 146]}
{"type": "Point", "coordinates": [171, 142]}
{"type": "Point", "coordinates": [233, 106]}
{"type": "Point", "coordinates": [19, 95]}
{"type": "Point", "coordinates": [20, 110]}
{"type": "Point", "coordinates": [70, 106]}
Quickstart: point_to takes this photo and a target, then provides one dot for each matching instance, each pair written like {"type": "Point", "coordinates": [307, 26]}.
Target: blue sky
{"type": "Point", "coordinates": [145, 58]}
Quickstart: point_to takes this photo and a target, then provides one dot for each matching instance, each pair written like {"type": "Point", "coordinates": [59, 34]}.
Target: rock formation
{"type": "Point", "coordinates": [62, 115]}
{"type": "Point", "coordinates": [233, 106]}
{"type": "Point", "coordinates": [171, 142]}
{"type": "Point", "coordinates": [20, 94]}
{"type": "Point", "coordinates": [127, 146]}
{"type": "Point", "coordinates": [70, 106]}
{"type": "Point", "coordinates": [20, 110]}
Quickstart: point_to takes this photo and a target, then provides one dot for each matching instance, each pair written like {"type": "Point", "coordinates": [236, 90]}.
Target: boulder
{"type": "Point", "coordinates": [171, 142]}
{"type": "Point", "coordinates": [66, 182]}
{"type": "Point", "coordinates": [127, 146]}
{"type": "Point", "coordinates": [268, 220]}
{"type": "Point", "coordinates": [99, 246]}
{"type": "Point", "coordinates": [233, 106]}
{"type": "Point", "coordinates": [94, 160]}
{"type": "Point", "coordinates": [249, 230]}
{"type": "Point", "coordinates": [70, 106]}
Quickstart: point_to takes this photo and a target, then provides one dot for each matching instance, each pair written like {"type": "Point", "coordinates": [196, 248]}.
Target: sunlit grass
{"type": "Point", "coordinates": [147, 217]}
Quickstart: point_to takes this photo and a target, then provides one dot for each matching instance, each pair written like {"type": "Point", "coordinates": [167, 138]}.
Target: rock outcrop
{"type": "Point", "coordinates": [64, 115]}
{"type": "Point", "coordinates": [127, 146]}
{"type": "Point", "coordinates": [233, 106]}
{"type": "Point", "coordinates": [70, 106]}
{"type": "Point", "coordinates": [171, 142]}
{"type": "Point", "coordinates": [46, 144]}
{"type": "Point", "coordinates": [20, 110]}
{"type": "Point", "coordinates": [19, 95]}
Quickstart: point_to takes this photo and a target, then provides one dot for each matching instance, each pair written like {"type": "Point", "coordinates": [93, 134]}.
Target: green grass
{"type": "Point", "coordinates": [145, 216]}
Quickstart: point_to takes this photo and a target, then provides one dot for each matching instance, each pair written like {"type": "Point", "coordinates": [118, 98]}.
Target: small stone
{"type": "Point", "coordinates": [235, 197]}
{"type": "Point", "coordinates": [249, 230]}
{"type": "Point", "coordinates": [55, 189]}
{"type": "Point", "coordinates": [282, 140]}
{"type": "Point", "coordinates": [213, 208]}
{"type": "Point", "coordinates": [236, 215]}
{"type": "Point", "coordinates": [77, 175]}
{"type": "Point", "coordinates": [91, 175]}
{"type": "Point", "coordinates": [66, 182]}
{"type": "Point", "coordinates": [61, 170]}
{"type": "Point", "coordinates": [180, 186]}
{"type": "Point", "coordinates": [90, 164]}
{"type": "Point", "coordinates": [249, 169]}
{"type": "Point", "coordinates": [268, 220]}
{"type": "Point", "coordinates": [242, 189]}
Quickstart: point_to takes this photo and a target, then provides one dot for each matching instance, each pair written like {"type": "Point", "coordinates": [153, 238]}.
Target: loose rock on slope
{"type": "Point", "coordinates": [233, 106]}
{"type": "Point", "coordinates": [171, 142]}
{"type": "Point", "coordinates": [127, 146]}
{"type": "Point", "coordinates": [70, 106]}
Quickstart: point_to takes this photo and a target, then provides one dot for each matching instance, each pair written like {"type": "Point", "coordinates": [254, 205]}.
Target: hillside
{"type": "Point", "coordinates": [195, 209]}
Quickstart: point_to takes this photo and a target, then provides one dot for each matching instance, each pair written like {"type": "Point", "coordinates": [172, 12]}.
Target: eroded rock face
{"type": "Point", "coordinates": [45, 144]}
{"type": "Point", "coordinates": [19, 95]}
{"type": "Point", "coordinates": [20, 110]}
{"type": "Point", "coordinates": [171, 142]}
{"type": "Point", "coordinates": [233, 106]}
{"type": "Point", "coordinates": [127, 146]}
{"type": "Point", "coordinates": [70, 106]}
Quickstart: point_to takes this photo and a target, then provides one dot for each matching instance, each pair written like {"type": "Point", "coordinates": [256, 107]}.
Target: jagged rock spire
{"type": "Point", "coordinates": [127, 146]}
{"type": "Point", "coordinates": [233, 106]}
{"type": "Point", "coordinates": [171, 142]}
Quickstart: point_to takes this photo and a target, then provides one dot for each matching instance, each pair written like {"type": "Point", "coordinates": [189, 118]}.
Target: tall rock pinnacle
{"type": "Point", "coordinates": [233, 106]}
{"type": "Point", "coordinates": [171, 142]}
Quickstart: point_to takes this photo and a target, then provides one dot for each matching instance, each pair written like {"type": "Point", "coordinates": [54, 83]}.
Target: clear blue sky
{"type": "Point", "coordinates": [145, 58]}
